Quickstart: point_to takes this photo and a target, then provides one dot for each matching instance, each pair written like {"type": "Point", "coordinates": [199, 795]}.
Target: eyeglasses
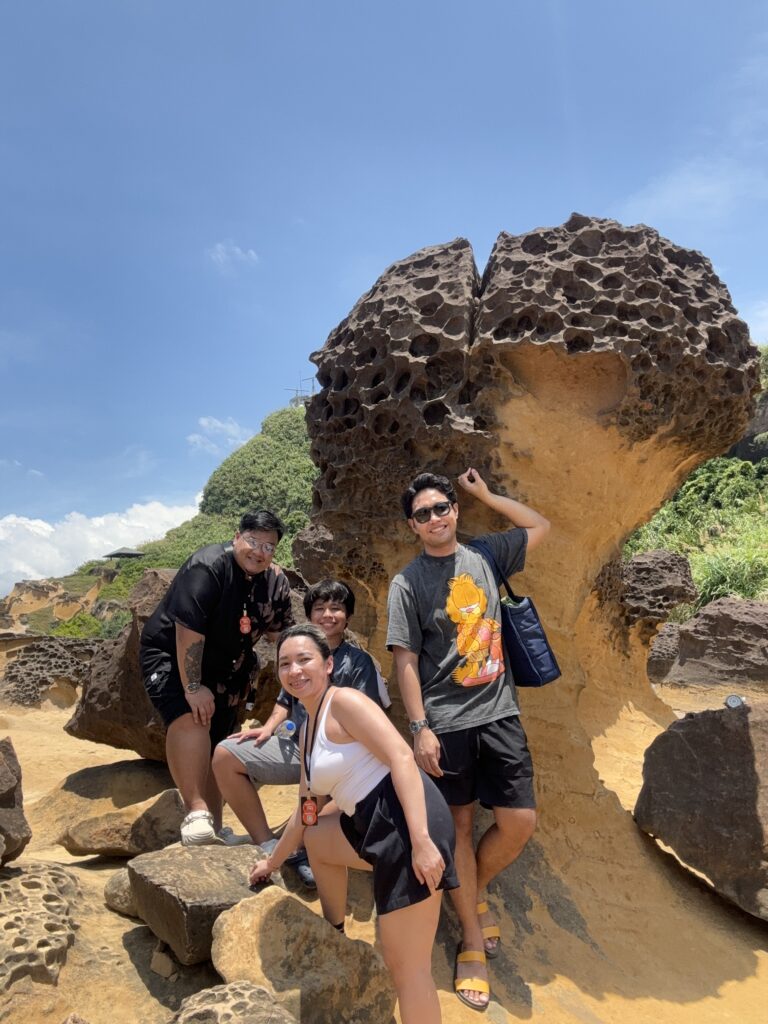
{"type": "Point", "coordinates": [423, 515]}
{"type": "Point", "coordinates": [258, 545]}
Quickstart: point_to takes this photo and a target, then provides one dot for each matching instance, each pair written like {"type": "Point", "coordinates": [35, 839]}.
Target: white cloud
{"type": "Point", "coordinates": [227, 255]}
{"type": "Point", "coordinates": [218, 437]}
{"type": "Point", "coordinates": [699, 190]}
{"type": "Point", "coordinates": [35, 549]}
{"type": "Point", "coordinates": [757, 318]}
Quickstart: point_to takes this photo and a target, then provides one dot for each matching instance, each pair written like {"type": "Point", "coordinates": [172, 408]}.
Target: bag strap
{"type": "Point", "coordinates": [484, 549]}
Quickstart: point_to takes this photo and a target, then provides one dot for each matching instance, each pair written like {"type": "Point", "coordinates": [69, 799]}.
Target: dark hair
{"type": "Point", "coordinates": [329, 590]}
{"type": "Point", "coordinates": [423, 482]}
{"type": "Point", "coordinates": [305, 629]}
{"type": "Point", "coordinates": [262, 520]}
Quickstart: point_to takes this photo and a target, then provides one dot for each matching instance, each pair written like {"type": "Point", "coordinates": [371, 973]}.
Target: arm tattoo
{"type": "Point", "coordinates": [193, 661]}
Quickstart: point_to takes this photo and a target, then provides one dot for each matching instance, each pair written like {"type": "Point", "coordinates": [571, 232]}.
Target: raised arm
{"type": "Point", "coordinates": [536, 526]}
{"type": "Point", "coordinates": [189, 655]}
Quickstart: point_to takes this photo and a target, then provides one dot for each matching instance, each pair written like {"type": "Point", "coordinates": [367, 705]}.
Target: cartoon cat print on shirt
{"type": "Point", "coordinates": [478, 639]}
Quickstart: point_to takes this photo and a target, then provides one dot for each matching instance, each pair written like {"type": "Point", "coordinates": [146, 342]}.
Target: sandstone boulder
{"type": "Point", "coordinates": [118, 895]}
{"type": "Point", "coordinates": [705, 794]}
{"type": "Point", "coordinates": [236, 1003]}
{"type": "Point", "coordinates": [274, 940]}
{"type": "Point", "coordinates": [181, 891]}
{"type": "Point", "coordinates": [37, 924]}
{"type": "Point", "coordinates": [134, 829]}
{"type": "Point", "coordinates": [123, 789]}
{"type": "Point", "coordinates": [114, 707]}
{"type": "Point", "coordinates": [726, 641]}
{"type": "Point", "coordinates": [15, 832]}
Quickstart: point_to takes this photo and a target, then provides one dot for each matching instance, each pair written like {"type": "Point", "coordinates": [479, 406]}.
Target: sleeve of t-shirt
{"type": "Point", "coordinates": [283, 699]}
{"type": "Point", "coordinates": [196, 594]}
{"type": "Point", "coordinates": [508, 549]}
{"type": "Point", "coordinates": [360, 672]}
{"type": "Point", "coordinates": [403, 626]}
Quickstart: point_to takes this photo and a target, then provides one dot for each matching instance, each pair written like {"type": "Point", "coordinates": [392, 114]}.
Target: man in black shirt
{"type": "Point", "coordinates": [197, 656]}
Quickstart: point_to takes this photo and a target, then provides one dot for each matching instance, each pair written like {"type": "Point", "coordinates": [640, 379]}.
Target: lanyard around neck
{"type": "Point", "coordinates": [308, 752]}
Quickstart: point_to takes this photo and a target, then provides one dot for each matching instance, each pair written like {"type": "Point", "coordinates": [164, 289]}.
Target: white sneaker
{"type": "Point", "coordinates": [197, 830]}
{"type": "Point", "coordinates": [226, 835]}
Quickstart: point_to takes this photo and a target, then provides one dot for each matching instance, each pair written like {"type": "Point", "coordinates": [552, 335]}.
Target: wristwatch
{"type": "Point", "coordinates": [193, 687]}
{"type": "Point", "coordinates": [418, 726]}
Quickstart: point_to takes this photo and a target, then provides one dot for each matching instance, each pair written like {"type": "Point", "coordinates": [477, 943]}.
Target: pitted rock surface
{"type": "Point", "coordinates": [663, 653]}
{"type": "Point", "coordinates": [317, 974]}
{"type": "Point", "coordinates": [179, 893]}
{"type": "Point", "coordinates": [15, 832]}
{"type": "Point", "coordinates": [240, 1002]}
{"type": "Point", "coordinates": [36, 922]}
{"type": "Point", "coordinates": [49, 668]}
{"type": "Point", "coordinates": [726, 641]}
{"type": "Point", "coordinates": [705, 794]}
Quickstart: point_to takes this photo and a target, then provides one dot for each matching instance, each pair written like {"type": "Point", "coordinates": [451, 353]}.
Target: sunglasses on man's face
{"type": "Point", "coordinates": [423, 515]}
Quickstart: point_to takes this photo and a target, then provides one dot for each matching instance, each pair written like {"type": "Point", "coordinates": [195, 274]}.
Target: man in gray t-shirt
{"type": "Point", "coordinates": [444, 630]}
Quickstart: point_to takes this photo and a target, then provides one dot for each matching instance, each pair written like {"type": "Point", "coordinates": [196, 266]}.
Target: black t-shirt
{"type": "Point", "coordinates": [210, 594]}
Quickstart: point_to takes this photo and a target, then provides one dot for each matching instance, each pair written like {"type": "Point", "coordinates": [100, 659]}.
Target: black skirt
{"type": "Point", "coordinates": [378, 833]}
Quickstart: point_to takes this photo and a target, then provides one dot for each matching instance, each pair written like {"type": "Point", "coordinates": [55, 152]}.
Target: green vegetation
{"type": "Point", "coordinates": [81, 626]}
{"type": "Point", "coordinates": [718, 521]}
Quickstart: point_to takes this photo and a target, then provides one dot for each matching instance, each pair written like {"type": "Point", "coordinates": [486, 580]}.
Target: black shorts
{"type": "Point", "coordinates": [164, 688]}
{"type": "Point", "coordinates": [378, 833]}
{"type": "Point", "coordinates": [490, 763]}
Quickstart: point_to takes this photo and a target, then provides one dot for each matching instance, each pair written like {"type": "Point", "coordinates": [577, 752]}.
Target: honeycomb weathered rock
{"type": "Point", "coordinates": [49, 667]}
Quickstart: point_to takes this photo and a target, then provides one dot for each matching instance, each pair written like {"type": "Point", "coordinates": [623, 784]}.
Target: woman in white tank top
{"type": "Point", "coordinates": [386, 814]}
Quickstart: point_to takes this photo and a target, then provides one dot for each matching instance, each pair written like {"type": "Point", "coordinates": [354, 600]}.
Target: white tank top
{"type": "Point", "coordinates": [345, 771]}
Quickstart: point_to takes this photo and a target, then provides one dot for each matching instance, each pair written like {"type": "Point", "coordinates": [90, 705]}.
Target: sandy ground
{"type": "Point", "coordinates": [107, 979]}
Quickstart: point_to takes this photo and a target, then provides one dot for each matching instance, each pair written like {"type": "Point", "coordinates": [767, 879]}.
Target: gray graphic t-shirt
{"type": "Point", "coordinates": [447, 610]}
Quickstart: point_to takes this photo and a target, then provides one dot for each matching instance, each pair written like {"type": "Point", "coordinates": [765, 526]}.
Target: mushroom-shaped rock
{"type": "Point", "coordinates": [587, 373]}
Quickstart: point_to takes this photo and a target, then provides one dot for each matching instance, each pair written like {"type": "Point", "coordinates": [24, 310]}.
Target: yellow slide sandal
{"type": "Point", "coordinates": [491, 931]}
{"type": "Point", "coordinates": [462, 985]}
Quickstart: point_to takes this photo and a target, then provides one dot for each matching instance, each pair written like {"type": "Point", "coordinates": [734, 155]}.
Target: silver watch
{"type": "Point", "coordinates": [418, 726]}
{"type": "Point", "coordinates": [193, 687]}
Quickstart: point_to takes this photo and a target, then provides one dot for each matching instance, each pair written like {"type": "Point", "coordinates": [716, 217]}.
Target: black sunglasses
{"type": "Point", "coordinates": [423, 515]}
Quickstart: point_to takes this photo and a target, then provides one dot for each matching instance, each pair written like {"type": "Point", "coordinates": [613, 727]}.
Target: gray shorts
{"type": "Point", "coordinates": [274, 763]}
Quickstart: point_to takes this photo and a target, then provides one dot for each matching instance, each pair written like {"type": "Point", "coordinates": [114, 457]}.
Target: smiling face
{"type": "Point", "coordinates": [438, 534]}
{"type": "Point", "coordinates": [332, 618]}
{"type": "Point", "coordinates": [254, 550]}
{"type": "Point", "coordinates": [303, 671]}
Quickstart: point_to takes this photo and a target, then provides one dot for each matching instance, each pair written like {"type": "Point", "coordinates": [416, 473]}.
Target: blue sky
{"type": "Point", "coordinates": [194, 194]}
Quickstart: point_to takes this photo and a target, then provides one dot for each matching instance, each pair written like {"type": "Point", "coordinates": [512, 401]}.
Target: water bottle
{"type": "Point", "coordinates": [286, 730]}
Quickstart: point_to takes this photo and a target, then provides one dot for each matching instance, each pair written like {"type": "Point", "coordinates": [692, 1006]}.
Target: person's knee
{"type": "Point", "coordinates": [463, 821]}
{"type": "Point", "coordinates": [223, 761]}
{"type": "Point", "coordinates": [517, 825]}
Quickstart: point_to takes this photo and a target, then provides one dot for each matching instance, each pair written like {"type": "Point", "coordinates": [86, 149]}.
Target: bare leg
{"type": "Point", "coordinates": [241, 794]}
{"type": "Point", "coordinates": [329, 857]}
{"type": "Point", "coordinates": [188, 749]}
{"type": "Point", "coordinates": [407, 938]}
{"type": "Point", "coordinates": [503, 843]}
{"type": "Point", "coordinates": [465, 897]}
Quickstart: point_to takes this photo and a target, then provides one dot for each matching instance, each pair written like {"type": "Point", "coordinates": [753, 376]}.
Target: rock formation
{"type": "Point", "coordinates": [15, 832]}
{"type": "Point", "coordinates": [181, 891]}
{"type": "Point", "coordinates": [49, 668]}
{"type": "Point", "coordinates": [236, 1003]}
{"type": "Point", "coordinates": [754, 445]}
{"type": "Point", "coordinates": [138, 828]}
{"type": "Point", "coordinates": [588, 372]}
{"type": "Point", "coordinates": [118, 895]}
{"type": "Point", "coordinates": [36, 922]}
{"type": "Point", "coordinates": [705, 794]}
{"type": "Point", "coordinates": [725, 642]}
{"type": "Point", "coordinates": [308, 967]}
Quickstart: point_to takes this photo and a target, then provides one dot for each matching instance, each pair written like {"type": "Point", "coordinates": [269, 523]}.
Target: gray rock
{"type": "Point", "coordinates": [705, 794]}
{"type": "Point", "coordinates": [727, 641]}
{"type": "Point", "coordinates": [49, 668]}
{"type": "Point", "coordinates": [663, 653]}
{"type": "Point", "coordinates": [118, 895]}
{"type": "Point", "coordinates": [179, 892]}
{"type": "Point", "coordinates": [15, 832]}
{"type": "Point", "coordinates": [240, 1002]}
{"type": "Point", "coordinates": [36, 922]}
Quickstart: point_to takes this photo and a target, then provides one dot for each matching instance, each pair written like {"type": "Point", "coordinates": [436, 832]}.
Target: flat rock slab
{"type": "Point", "coordinates": [36, 922]}
{"type": "Point", "coordinates": [180, 891]}
{"type": "Point", "coordinates": [705, 794]}
{"type": "Point", "coordinates": [15, 832]}
{"type": "Point", "coordinates": [316, 973]}
{"type": "Point", "coordinates": [240, 1002]}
